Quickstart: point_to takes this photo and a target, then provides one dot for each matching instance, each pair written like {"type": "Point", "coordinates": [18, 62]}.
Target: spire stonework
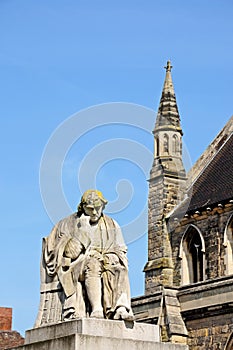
{"type": "Point", "coordinates": [166, 187]}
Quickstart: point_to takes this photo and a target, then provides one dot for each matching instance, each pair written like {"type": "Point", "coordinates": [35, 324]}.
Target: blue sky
{"type": "Point", "coordinates": [60, 57]}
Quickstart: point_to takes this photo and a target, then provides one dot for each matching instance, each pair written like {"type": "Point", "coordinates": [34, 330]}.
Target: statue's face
{"type": "Point", "coordinates": [93, 211]}
{"type": "Point", "coordinates": [93, 207]}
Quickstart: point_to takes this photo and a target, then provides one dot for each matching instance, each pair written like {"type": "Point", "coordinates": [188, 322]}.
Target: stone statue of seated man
{"type": "Point", "coordinates": [84, 270]}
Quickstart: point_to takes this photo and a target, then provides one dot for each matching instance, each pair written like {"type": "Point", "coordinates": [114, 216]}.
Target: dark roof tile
{"type": "Point", "coordinates": [215, 183]}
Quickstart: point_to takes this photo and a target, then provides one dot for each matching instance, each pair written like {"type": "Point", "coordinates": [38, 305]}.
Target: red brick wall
{"type": "Point", "coordinates": [5, 318]}
{"type": "Point", "coordinates": [8, 338]}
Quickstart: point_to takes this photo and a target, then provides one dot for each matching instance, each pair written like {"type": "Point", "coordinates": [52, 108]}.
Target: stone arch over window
{"type": "Point", "coordinates": [228, 244]}
{"type": "Point", "coordinates": [175, 144]}
{"type": "Point", "coordinates": [229, 344]}
{"type": "Point", "coordinates": [165, 143]}
{"type": "Point", "coordinates": [192, 255]}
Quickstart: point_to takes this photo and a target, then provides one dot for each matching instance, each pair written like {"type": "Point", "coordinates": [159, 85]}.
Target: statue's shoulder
{"type": "Point", "coordinates": [110, 221]}
{"type": "Point", "coordinates": [68, 221]}
{"type": "Point", "coordinates": [63, 227]}
{"type": "Point", "coordinates": [71, 217]}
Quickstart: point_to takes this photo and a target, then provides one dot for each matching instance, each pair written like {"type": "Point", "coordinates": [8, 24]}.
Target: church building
{"type": "Point", "coordinates": [189, 272]}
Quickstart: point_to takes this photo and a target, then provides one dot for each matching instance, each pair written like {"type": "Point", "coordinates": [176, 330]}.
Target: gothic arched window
{"type": "Point", "coordinates": [229, 345]}
{"type": "Point", "coordinates": [165, 143]}
{"type": "Point", "coordinates": [157, 146]}
{"type": "Point", "coordinates": [175, 145]}
{"type": "Point", "coordinates": [228, 243]}
{"type": "Point", "coordinates": [192, 251]}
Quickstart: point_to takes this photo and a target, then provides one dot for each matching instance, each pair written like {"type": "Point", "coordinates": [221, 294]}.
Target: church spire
{"type": "Point", "coordinates": [168, 114]}
{"type": "Point", "coordinates": [166, 187]}
{"type": "Point", "coordinates": [168, 133]}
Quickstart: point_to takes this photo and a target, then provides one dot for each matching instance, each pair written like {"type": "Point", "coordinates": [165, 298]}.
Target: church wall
{"type": "Point", "coordinates": [209, 332]}
{"type": "Point", "coordinates": [207, 310]}
{"type": "Point", "coordinates": [207, 306]}
{"type": "Point", "coordinates": [212, 226]}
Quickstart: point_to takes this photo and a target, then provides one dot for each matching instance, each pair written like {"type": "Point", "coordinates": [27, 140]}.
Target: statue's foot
{"type": "Point", "coordinates": [97, 314]}
{"type": "Point", "coordinates": [123, 314]}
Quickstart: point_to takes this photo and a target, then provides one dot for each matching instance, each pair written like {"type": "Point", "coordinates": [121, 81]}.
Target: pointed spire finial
{"type": "Point", "coordinates": [168, 114]}
{"type": "Point", "coordinates": [169, 66]}
{"type": "Point", "coordinates": [168, 85]}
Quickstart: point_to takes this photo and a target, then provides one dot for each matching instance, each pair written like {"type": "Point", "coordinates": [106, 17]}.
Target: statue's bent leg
{"type": "Point", "coordinates": [74, 305]}
{"type": "Point", "coordinates": [117, 293]}
{"type": "Point", "coordinates": [93, 283]}
{"type": "Point", "coordinates": [69, 307]}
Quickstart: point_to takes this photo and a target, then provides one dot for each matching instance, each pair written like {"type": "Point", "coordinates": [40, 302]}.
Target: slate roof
{"type": "Point", "coordinates": [215, 183]}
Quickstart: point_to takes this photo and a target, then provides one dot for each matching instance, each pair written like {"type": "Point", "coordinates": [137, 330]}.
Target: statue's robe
{"type": "Point", "coordinates": [65, 252]}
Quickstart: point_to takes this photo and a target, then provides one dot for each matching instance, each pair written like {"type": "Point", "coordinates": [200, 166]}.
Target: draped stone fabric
{"type": "Point", "coordinates": [75, 250]}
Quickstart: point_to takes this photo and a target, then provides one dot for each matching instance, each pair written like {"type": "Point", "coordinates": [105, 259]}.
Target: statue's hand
{"type": "Point", "coordinates": [111, 259]}
{"type": "Point", "coordinates": [66, 263]}
{"type": "Point", "coordinates": [94, 253]}
{"type": "Point", "coordinates": [73, 249]}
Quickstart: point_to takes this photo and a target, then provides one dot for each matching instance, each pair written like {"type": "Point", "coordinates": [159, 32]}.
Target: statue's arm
{"type": "Point", "coordinates": [53, 249]}
{"type": "Point", "coordinates": [119, 247]}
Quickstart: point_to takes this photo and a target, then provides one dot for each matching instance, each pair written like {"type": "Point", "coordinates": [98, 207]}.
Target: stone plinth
{"type": "Point", "coordinates": [89, 334]}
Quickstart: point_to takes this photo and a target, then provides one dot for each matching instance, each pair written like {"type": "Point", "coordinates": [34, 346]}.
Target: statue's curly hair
{"type": "Point", "coordinates": [85, 196]}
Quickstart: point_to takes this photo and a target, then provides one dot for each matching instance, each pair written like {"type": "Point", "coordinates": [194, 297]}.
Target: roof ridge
{"type": "Point", "coordinates": [210, 151]}
{"type": "Point", "coordinates": [183, 206]}
{"type": "Point", "coordinates": [210, 161]}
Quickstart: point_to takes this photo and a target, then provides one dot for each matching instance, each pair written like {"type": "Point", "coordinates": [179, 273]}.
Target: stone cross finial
{"type": "Point", "coordinates": [168, 67]}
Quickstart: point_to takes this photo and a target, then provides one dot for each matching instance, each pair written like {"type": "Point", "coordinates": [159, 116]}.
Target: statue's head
{"type": "Point", "coordinates": [92, 204]}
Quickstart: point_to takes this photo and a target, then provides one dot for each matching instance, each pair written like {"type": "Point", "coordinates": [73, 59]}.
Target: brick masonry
{"type": "Point", "coordinates": [5, 318]}
{"type": "Point", "coordinates": [8, 338]}
{"type": "Point", "coordinates": [210, 333]}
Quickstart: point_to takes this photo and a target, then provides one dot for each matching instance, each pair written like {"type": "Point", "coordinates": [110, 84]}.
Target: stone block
{"type": "Point", "coordinates": [96, 334]}
{"type": "Point", "coordinates": [171, 301]}
{"type": "Point", "coordinates": [95, 327]}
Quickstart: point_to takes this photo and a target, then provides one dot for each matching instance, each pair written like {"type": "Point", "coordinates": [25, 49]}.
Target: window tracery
{"type": "Point", "coordinates": [192, 251]}
{"type": "Point", "coordinates": [175, 145]}
{"type": "Point", "coordinates": [228, 244]}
